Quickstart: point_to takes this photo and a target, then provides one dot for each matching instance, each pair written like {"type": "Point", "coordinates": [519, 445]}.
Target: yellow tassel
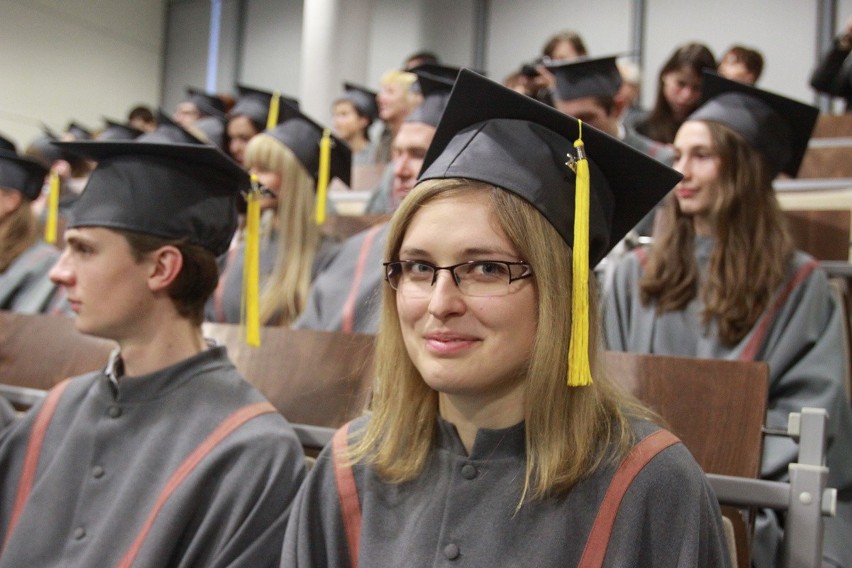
{"type": "Point", "coordinates": [322, 177]}
{"type": "Point", "coordinates": [272, 117]}
{"type": "Point", "coordinates": [50, 227]}
{"type": "Point", "coordinates": [579, 371]}
{"type": "Point", "coordinates": [251, 267]}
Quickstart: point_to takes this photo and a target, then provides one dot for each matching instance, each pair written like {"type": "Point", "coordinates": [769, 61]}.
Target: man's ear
{"type": "Point", "coordinates": [10, 200]}
{"type": "Point", "coordinates": [166, 263]}
{"type": "Point", "coordinates": [618, 104]}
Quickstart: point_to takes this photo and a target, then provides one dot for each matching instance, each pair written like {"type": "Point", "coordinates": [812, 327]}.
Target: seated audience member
{"type": "Point", "coordinates": [345, 294]}
{"type": "Point", "coordinates": [833, 74]}
{"type": "Point", "coordinates": [351, 116]}
{"type": "Point", "coordinates": [395, 100]}
{"type": "Point", "coordinates": [629, 93]}
{"type": "Point", "coordinates": [196, 106]}
{"type": "Point", "coordinates": [476, 450]}
{"type": "Point", "coordinates": [141, 118]}
{"type": "Point", "coordinates": [166, 457]}
{"type": "Point", "coordinates": [587, 90]}
{"type": "Point", "coordinates": [564, 46]}
{"type": "Point", "coordinates": [24, 259]}
{"type": "Point", "coordinates": [419, 58]}
{"type": "Point", "coordinates": [286, 160]}
{"type": "Point", "coordinates": [75, 132]}
{"type": "Point", "coordinates": [722, 280]}
{"type": "Point", "coordinates": [117, 131]}
{"type": "Point", "coordinates": [678, 92]}
{"type": "Point", "coordinates": [741, 64]}
{"type": "Point", "coordinates": [250, 116]}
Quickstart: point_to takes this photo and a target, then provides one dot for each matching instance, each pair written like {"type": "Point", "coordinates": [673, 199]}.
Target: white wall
{"type": "Point", "coordinates": [272, 42]}
{"type": "Point", "coordinates": [77, 59]}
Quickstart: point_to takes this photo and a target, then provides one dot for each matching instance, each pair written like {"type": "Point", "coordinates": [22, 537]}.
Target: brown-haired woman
{"type": "Point", "coordinates": [476, 450]}
{"type": "Point", "coordinates": [678, 92]}
{"type": "Point", "coordinates": [723, 281]}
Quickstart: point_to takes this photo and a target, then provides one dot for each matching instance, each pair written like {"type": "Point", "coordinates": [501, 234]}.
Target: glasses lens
{"type": "Point", "coordinates": [486, 278]}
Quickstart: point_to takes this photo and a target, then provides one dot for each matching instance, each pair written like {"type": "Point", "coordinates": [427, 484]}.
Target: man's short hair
{"type": "Point", "coordinates": [198, 276]}
{"type": "Point", "coordinates": [750, 58]}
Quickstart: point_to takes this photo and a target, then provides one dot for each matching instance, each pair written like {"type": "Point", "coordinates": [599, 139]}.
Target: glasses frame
{"type": "Point", "coordinates": [452, 270]}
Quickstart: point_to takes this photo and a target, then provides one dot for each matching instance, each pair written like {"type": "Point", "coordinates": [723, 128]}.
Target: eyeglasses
{"type": "Point", "coordinates": [415, 278]}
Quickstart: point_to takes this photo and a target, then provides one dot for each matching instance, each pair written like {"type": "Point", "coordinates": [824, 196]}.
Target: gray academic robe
{"type": "Point", "coordinates": [225, 305]}
{"type": "Point", "coordinates": [109, 452]}
{"type": "Point", "coordinates": [799, 336]}
{"type": "Point", "coordinates": [462, 511]}
{"type": "Point", "coordinates": [24, 286]}
{"type": "Point", "coordinates": [346, 295]}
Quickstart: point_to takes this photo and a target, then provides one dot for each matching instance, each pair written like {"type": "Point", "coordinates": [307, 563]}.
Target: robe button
{"type": "Point", "coordinates": [468, 471]}
{"type": "Point", "coordinates": [451, 551]}
{"type": "Point", "coordinates": [97, 472]}
{"type": "Point", "coordinates": [79, 533]}
{"type": "Point", "coordinates": [114, 411]}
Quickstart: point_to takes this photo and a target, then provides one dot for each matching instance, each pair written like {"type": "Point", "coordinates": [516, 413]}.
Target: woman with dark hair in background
{"type": "Point", "coordinates": [678, 92]}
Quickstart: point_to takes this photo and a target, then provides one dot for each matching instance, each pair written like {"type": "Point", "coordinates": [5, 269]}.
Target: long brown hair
{"type": "Point", "coordinates": [661, 125]}
{"type": "Point", "coordinates": [751, 252]}
{"type": "Point", "coordinates": [570, 432]}
{"type": "Point", "coordinates": [18, 232]}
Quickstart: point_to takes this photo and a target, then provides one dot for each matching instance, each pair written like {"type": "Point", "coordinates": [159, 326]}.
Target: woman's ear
{"type": "Point", "coordinates": [166, 264]}
{"type": "Point", "coordinates": [10, 200]}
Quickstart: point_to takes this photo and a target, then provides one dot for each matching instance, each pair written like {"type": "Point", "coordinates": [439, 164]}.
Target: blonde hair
{"type": "Point", "coordinates": [751, 253]}
{"type": "Point", "coordinates": [397, 77]}
{"type": "Point", "coordinates": [570, 432]}
{"type": "Point", "coordinates": [18, 232]}
{"type": "Point", "coordinates": [284, 292]}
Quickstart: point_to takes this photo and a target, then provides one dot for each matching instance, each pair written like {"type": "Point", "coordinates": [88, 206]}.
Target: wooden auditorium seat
{"type": "Point", "coordinates": [822, 233]}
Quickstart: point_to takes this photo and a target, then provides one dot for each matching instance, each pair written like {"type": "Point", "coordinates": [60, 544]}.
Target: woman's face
{"type": "Point", "coordinates": [474, 349]}
{"type": "Point", "coordinates": [346, 121]}
{"type": "Point", "coordinates": [697, 160]}
{"type": "Point", "coordinates": [682, 90]}
{"type": "Point", "coordinates": [240, 131]}
{"type": "Point", "coordinates": [271, 180]}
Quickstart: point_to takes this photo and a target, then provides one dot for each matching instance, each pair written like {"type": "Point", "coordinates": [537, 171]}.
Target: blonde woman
{"type": "Point", "coordinates": [286, 162]}
{"type": "Point", "coordinates": [476, 450]}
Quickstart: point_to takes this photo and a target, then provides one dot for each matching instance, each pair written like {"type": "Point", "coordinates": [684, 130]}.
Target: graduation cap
{"type": "Point", "coordinates": [436, 82]}
{"type": "Point", "coordinates": [776, 126]}
{"type": "Point", "coordinates": [586, 78]}
{"type": "Point", "coordinates": [168, 132]}
{"type": "Point", "coordinates": [173, 191]}
{"type": "Point", "coordinates": [78, 132]}
{"type": "Point", "coordinates": [207, 104]}
{"type": "Point", "coordinates": [257, 104]}
{"type": "Point", "coordinates": [495, 135]}
{"type": "Point", "coordinates": [118, 131]}
{"type": "Point", "coordinates": [363, 99]}
{"type": "Point", "coordinates": [213, 130]}
{"type": "Point", "coordinates": [21, 173]}
{"type": "Point", "coordinates": [7, 145]}
{"type": "Point", "coordinates": [302, 135]}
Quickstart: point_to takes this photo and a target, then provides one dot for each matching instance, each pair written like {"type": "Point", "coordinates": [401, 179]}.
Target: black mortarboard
{"type": "Point", "coordinates": [302, 136]}
{"type": "Point", "coordinates": [254, 103]}
{"type": "Point", "coordinates": [78, 132]}
{"type": "Point", "coordinates": [168, 132]}
{"type": "Point", "coordinates": [21, 174]}
{"type": "Point", "coordinates": [363, 99]}
{"type": "Point", "coordinates": [7, 145]}
{"type": "Point", "coordinates": [436, 82]}
{"type": "Point", "coordinates": [777, 127]}
{"type": "Point", "coordinates": [118, 131]}
{"type": "Point", "coordinates": [207, 105]}
{"type": "Point", "coordinates": [495, 135]}
{"type": "Point", "coordinates": [586, 78]}
{"type": "Point", "coordinates": [173, 191]}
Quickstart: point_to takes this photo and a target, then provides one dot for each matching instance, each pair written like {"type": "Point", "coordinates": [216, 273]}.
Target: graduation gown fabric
{"type": "Point", "coordinates": [799, 336]}
{"type": "Point", "coordinates": [461, 511]}
{"type": "Point", "coordinates": [25, 287]}
{"type": "Point", "coordinates": [225, 305]}
{"type": "Point", "coordinates": [108, 453]}
{"type": "Point", "coordinates": [346, 295]}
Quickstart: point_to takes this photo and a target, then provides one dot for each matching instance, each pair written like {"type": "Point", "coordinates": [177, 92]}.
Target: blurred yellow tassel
{"type": "Point", "coordinates": [50, 227]}
{"type": "Point", "coordinates": [579, 371]}
{"type": "Point", "coordinates": [251, 267]}
{"type": "Point", "coordinates": [322, 177]}
{"type": "Point", "coordinates": [272, 117]}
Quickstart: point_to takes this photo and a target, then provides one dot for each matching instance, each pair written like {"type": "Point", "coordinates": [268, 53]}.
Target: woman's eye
{"type": "Point", "coordinates": [489, 269]}
{"type": "Point", "coordinates": [417, 269]}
